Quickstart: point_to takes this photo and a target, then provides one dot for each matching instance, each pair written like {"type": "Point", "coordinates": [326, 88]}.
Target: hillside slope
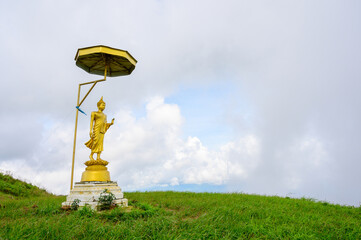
{"type": "Point", "coordinates": [11, 187]}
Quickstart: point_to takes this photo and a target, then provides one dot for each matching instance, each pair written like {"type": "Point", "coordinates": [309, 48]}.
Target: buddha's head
{"type": "Point", "coordinates": [101, 104]}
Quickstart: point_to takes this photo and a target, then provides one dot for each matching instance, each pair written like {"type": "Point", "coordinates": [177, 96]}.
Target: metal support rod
{"type": "Point", "coordinates": [105, 72]}
{"type": "Point", "coordinates": [76, 127]}
{"type": "Point", "coordinates": [76, 118]}
{"type": "Point", "coordinates": [87, 94]}
{"type": "Point", "coordinates": [94, 83]}
{"type": "Point", "coordinates": [101, 80]}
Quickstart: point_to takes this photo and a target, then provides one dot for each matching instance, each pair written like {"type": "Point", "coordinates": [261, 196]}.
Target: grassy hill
{"type": "Point", "coordinates": [180, 215]}
{"type": "Point", "coordinates": [11, 187]}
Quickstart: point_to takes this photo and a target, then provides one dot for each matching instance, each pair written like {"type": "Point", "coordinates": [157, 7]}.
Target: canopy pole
{"type": "Point", "coordinates": [105, 71]}
{"type": "Point", "coordinates": [76, 127]}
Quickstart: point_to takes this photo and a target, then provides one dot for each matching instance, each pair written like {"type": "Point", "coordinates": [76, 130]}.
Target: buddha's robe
{"type": "Point", "coordinates": [100, 126]}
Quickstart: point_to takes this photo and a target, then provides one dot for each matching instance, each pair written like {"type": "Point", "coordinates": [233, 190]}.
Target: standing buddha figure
{"type": "Point", "coordinates": [98, 127]}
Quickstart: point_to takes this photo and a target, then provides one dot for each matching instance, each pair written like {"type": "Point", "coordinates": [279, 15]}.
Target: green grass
{"type": "Point", "coordinates": [181, 215]}
{"type": "Point", "coordinates": [11, 187]}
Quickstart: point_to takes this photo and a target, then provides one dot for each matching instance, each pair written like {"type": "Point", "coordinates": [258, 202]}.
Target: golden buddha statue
{"type": "Point", "coordinates": [98, 127]}
{"type": "Point", "coordinates": [96, 170]}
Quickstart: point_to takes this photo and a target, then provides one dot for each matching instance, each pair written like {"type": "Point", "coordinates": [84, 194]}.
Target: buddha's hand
{"type": "Point", "coordinates": [112, 122]}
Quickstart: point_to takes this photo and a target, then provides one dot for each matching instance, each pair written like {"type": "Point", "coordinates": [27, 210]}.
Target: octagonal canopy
{"type": "Point", "coordinates": [95, 59]}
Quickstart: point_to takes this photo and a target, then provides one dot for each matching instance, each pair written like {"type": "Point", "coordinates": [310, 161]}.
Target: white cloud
{"type": "Point", "coordinates": [142, 152]}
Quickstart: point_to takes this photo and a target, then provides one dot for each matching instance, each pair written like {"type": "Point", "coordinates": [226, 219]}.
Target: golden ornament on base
{"type": "Point", "coordinates": [96, 170]}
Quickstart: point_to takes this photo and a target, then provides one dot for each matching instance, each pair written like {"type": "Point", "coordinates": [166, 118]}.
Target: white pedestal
{"type": "Point", "coordinates": [89, 192]}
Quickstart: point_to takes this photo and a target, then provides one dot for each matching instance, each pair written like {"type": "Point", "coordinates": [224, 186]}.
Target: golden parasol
{"type": "Point", "coordinates": [107, 61]}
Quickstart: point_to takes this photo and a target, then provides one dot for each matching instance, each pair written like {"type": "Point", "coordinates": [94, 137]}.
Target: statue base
{"type": "Point", "coordinates": [98, 173]}
{"type": "Point", "coordinates": [88, 192]}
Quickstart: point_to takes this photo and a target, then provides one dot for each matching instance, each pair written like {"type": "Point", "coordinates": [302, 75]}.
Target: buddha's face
{"type": "Point", "coordinates": [102, 106]}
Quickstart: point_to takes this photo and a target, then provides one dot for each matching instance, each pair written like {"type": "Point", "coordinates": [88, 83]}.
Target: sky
{"type": "Point", "coordinates": [258, 97]}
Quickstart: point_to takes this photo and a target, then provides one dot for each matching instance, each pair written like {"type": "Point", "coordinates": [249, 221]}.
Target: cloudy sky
{"type": "Point", "coordinates": [234, 96]}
